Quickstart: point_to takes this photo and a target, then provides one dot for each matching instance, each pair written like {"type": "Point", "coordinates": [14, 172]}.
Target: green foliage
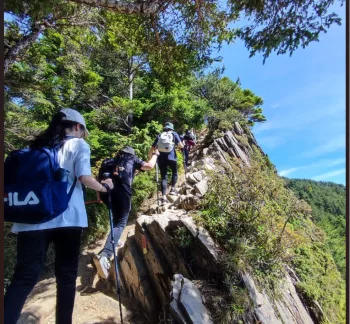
{"type": "Point", "coordinates": [20, 126]}
{"type": "Point", "coordinates": [320, 280]}
{"type": "Point", "coordinates": [10, 251]}
{"type": "Point", "coordinates": [98, 219]}
{"type": "Point", "coordinates": [327, 201]}
{"type": "Point", "coordinates": [182, 237]}
{"type": "Point", "coordinates": [261, 226]}
{"type": "Point", "coordinates": [228, 101]}
{"type": "Point", "coordinates": [249, 210]}
{"type": "Point", "coordinates": [285, 26]}
{"type": "Point", "coordinates": [144, 187]}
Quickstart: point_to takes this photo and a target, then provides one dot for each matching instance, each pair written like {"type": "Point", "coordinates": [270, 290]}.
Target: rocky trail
{"type": "Point", "coordinates": [95, 301]}
{"type": "Point", "coordinates": [169, 264]}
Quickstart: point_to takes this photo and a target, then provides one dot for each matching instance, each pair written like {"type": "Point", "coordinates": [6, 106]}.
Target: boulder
{"type": "Point", "coordinates": [287, 309]}
{"type": "Point", "coordinates": [136, 279]}
{"type": "Point", "coordinates": [205, 163]}
{"type": "Point", "coordinates": [162, 257]}
{"type": "Point", "coordinates": [172, 198]}
{"type": "Point", "coordinates": [238, 129]}
{"type": "Point", "coordinates": [195, 177]}
{"type": "Point", "coordinates": [174, 295]}
{"type": "Point", "coordinates": [201, 187]}
{"type": "Point", "coordinates": [191, 303]}
{"type": "Point", "coordinates": [189, 202]}
{"type": "Point", "coordinates": [187, 305]}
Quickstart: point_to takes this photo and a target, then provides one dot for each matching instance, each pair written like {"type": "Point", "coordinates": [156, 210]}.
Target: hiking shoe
{"type": "Point", "coordinates": [173, 192]}
{"type": "Point", "coordinates": [164, 201]}
{"type": "Point", "coordinates": [120, 244]}
{"type": "Point", "coordinates": [102, 265]}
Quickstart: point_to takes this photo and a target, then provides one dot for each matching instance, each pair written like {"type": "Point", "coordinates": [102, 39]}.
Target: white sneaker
{"type": "Point", "coordinates": [120, 244]}
{"type": "Point", "coordinates": [102, 265]}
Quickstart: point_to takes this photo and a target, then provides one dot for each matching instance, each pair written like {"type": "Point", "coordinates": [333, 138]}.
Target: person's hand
{"type": "Point", "coordinates": [108, 182]}
{"type": "Point", "coordinates": [156, 152]}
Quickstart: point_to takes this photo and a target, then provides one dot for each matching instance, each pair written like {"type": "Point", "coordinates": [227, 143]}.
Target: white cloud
{"type": "Point", "coordinates": [275, 105]}
{"type": "Point", "coordinates": [328, 175]}
{"type": "Point", "coordinates": [270, 141]}
{"type": "Point", "coordinates": [323, 163]}
{"type": "Point", "coordinates": [285, 173]}
{"type": "Point", "coordinates": [334, 144]}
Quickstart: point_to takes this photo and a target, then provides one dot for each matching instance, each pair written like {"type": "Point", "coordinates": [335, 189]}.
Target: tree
{"type": "Point", "coordinates": [273, 25]}
{"type": "Point", "coordinates": [32, 18]}
{"type": "Point", "coordinates": [226, 98]}
{"type": "Point", "coordinates": [184, 29]}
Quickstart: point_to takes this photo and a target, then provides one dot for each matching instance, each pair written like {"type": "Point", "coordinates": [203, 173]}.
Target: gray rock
{"type": "Point", "coordinates": [205, 163]}
{"type": "Point", "coordinates": [136, 279]}
{"type": "Point", "coordinates": [154, 209]}
{"type": "Point", "coordinates": [238, 129]}
{"type": "Point", "coordinates": [195, 177]}
{"type": "Point", "coordinates": [201, 187]}
{"type": "Point", "coordinates": [288, 309]}
{"type": "Point", "coordinates": [191, 302]}
{"type": "Point", "coordinates": [190, 202]}
{"type": "Point", "coordinates": [263, 307]}
{"type": "Point", "coordinates": [173, 198]}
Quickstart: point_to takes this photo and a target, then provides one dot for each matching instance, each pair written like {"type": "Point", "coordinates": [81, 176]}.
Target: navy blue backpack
{"type": "Point", "coordinates": [35, 187]}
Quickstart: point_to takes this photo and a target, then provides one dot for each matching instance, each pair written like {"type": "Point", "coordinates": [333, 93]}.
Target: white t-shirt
{"type": "Point", "coordinates": [75, 157]}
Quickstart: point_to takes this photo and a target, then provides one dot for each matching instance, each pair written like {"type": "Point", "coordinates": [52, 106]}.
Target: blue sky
{"type": "Point", "coordinates": [304, 103]}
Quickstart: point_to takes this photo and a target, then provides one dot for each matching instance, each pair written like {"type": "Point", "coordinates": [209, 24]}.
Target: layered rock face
{"type": "Point", "coordinates": [167, 252]}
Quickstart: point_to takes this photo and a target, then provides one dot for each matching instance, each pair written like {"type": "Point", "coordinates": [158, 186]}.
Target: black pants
{"type": "Point", "coordinates": [31, 254]}
{"type": "Point", "coordinates": [121, 206]}
{"type": "Point", "coordinates": [163, 164]}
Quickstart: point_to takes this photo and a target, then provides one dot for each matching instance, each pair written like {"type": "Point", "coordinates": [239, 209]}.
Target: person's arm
{"type": "Point", "coordinates": [149, 165]}
{"type": "Point", "coordinates": [93, 184]}
{"type": "Point", "coordinates": [82, 168]}
{"type": "Point", "coordinates": [150, 152]}
{"type": "Point", "coordinates": [178, 142]}
{"type": "Point", "coordinates": [153, 148]}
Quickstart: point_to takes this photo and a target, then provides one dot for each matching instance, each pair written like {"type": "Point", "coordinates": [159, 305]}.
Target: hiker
{"type": "Point", "coordinates": [189, 143]}
{"type": "Point", "coordinates": [166, 142]}
{"type": "Point", "coordinates": [67, 129]}
{"type": "Point", "coordinates": [122, 169]}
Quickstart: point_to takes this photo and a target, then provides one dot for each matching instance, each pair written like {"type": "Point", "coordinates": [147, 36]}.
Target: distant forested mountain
{"type": "Point", "coordinates": [327, 200]}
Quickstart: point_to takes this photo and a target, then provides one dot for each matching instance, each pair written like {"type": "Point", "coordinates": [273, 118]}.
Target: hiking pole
{"type": "Point", "coordinates": [105, 176]}
{"type": "Point", "coordinates": [157, 187]}
{"type": "Point", "coordinates": [184, 158]}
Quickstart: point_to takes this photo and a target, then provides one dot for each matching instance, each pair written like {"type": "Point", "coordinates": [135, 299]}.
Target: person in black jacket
{"type": "Point", "coordinates": [122, 169]}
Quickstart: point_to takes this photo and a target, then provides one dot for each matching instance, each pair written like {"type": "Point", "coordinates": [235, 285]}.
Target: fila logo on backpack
{"type": "Point", "coordinates": [166, 142]}
{"type": "Point", "coordinates": [12, 199]}
{"type": "Point", "coordinates": [35, 186]}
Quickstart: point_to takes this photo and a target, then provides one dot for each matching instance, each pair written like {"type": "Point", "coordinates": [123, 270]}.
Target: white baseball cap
{"type": "Point", "coordinates": [74, 116]}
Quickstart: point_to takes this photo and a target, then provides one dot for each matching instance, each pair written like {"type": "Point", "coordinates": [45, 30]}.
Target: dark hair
{"type": "Point", "coordinates": [55, 133]}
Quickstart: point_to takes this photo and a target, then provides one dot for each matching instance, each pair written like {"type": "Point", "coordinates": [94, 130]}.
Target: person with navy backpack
{"type": "Point", "coordinates": [166, 143]}
{"type": "Point", "coordinates": [44, 199]}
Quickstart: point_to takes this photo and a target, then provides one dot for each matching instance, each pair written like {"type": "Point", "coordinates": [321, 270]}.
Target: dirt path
{"type": "Point", "coordinates": [94, 303]}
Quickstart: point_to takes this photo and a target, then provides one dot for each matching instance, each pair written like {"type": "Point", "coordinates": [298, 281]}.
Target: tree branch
{"type": "Point", "coordinates": [21, 45]}
{"type": "Point", "coordinates": [125, 7]}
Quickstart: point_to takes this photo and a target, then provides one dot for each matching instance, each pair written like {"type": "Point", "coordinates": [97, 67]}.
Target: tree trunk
{"type": "Point", "coordinates": [131, 75]}
{"type": "Point", "coordinates": [125, 7]}
{"type": "Point", "coordinates": [22, 45]}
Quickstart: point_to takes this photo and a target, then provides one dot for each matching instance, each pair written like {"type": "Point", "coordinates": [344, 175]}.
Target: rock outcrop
{"type": "Point", "coordinates": [167, 252]}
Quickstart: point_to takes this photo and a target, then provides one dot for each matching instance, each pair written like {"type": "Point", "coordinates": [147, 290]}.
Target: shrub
{"type": "Point", "coordinates": [261, 226]}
